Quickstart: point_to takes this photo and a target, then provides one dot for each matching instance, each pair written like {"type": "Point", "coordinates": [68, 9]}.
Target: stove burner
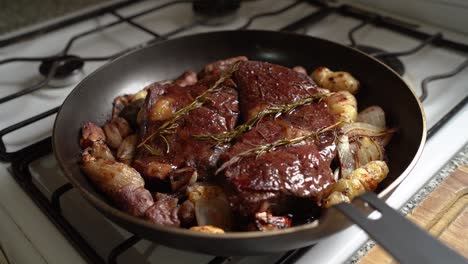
{"type": "Point", "coordinates": [69, 70]}
{"type": "Point", "coordinates": [391, 61]}
{"type": "Point", "coordinates": [215, 12]}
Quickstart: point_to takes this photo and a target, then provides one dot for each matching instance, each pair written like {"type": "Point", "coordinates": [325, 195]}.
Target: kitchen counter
{"type": "Point", "coordinates": [461, 158]}
{"type": "Point", "coordinates": [18, 14]}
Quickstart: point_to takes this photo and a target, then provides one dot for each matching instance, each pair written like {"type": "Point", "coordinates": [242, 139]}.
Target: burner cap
{"type": "Point", "coordinates": [68, 71]}
{"type": "Point", "coordinates": [215, 12]}
{"type": "Point", "coordinates": [391, 61]}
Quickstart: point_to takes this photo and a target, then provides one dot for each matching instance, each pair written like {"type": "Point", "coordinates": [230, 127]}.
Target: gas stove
{"type": "Point", "coordinates": [44, 220]}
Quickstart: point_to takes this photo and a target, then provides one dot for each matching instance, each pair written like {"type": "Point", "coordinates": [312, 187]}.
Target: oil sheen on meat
{"type": "Point", "coordinates": [266, 182]}
{"type": "Point", "coordinates": [179, 148]}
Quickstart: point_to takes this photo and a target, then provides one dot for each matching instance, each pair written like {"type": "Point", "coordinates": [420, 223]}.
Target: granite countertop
{"type": "Point", "coordinates": [16, 14]}
{"type": "Point", "coordinates": [461, 158]}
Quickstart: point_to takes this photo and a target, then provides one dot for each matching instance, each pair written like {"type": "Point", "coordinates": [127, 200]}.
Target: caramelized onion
{"type": "Point", "coordinates": [211, 206]}
{"type": "Point", "coordinates": [214, 212]}
{"type": "Point", "coordinates": [360, 144]}
{"type": "Point", "coordinates": [373, 115]}
{"type": "Point", "coordinates": [345, 155]}
{"type": "Point", "coordinates": [364, 129]}
{"type": "Point", "coordinates": [367, 150]}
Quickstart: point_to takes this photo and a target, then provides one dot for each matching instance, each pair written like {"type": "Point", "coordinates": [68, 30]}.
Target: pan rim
{"type": "Point", "coordinates": [101, 205]}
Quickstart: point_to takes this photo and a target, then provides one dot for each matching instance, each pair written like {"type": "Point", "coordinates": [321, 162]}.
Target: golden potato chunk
{"type": "Point", "coordinates": [207, 229]}
{"type": "Point", "coordinates": [208, 192]}
{"type": "Point", "coordinates": [361, 180]}
{"type": "Point", "coordinates": [162, 109]}
{"type": "Point", "coordinates": [335, 81]}
{"type": "Point", "coordinates": [343, 105]}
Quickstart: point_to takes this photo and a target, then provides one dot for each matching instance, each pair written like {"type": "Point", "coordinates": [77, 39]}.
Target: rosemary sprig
{"type": "Point", "coordinates": [152, 150]}
{"type": "Point", "coordinates": [259, 150]}
{"type": "Point", "coordinates": [170, 125]}
{"type": "Point", "coordinates": [262, 149]}
{"type": "Point", "coordinates": [276, 110]}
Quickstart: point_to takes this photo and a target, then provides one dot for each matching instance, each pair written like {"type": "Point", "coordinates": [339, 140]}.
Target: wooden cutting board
{"type": "Point", "coordinates": [444, 213]}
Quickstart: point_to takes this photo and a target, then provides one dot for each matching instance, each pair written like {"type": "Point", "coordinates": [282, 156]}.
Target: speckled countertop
{"type": "Point", "coordinates": [460, 159]}
{"type": "Point", "coordinates": [16, 14]}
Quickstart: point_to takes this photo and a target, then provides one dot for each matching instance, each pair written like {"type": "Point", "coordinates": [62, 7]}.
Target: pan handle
{"type": "Point", "coordinates": [400, 237]}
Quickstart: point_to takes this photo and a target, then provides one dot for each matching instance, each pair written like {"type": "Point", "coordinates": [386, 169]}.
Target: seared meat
{"type": "Point", "coordinates": [91, 133]}
{"type": "Point", "coordinates": [186, 79]}
{"type": "Point", "coordinates": [300, 69]}
{"type": "Point", "coordinates": [116, 130]}
{"type": "Point", "coordinates": [262, 173]}
{"type": "Point", "coordinates": [133, 199]}
{"type": "Point", "coordinates": [265, 221]}
{"type": "Point", "coordinates": [120, 182]}
{"type": "Point", "coordinates": [301, 170]}
{"type": "Point", "coordinates": [261, 84]}
{"type": "Point", "coordinates": [187, 212]}
{"type": "Point", "coordinates": [100, 150]}
{"type": "Point", "coordinates": [258, 183]}
{"type": "Point", "coordinates": [110, 176]}
{"type": "Point", "coordinates": [164, 211]}
{"type": "Point", "coordinates": [179, 148]}
{"type": "Point", "coordinates": [181, 178]}
{"type": "Point", "coordinates": [220, 66]}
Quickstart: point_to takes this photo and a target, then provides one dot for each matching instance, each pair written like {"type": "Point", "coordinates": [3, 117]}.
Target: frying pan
{"type": "Point", "coordinates": [92, 100]}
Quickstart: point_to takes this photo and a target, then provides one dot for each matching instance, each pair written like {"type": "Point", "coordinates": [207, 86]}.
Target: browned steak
{"type": "Point", "coordinates": [178, 149]}
{"type": "Point", "coordinates": [264, 182]}
{"type": "Point", "coordinates": [164, 211]}
{"type": "Point", "coordinates": [220, 66]}
{"type": "Point", "coordinates": [261, 84]}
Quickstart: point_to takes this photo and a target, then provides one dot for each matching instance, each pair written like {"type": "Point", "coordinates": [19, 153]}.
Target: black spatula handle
{"type": "Point", "coordinates": [401, 238]}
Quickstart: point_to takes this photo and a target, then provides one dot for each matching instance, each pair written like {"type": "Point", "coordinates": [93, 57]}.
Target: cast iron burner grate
{"type": "Point", "coordinates": [65, 64]}
{"type": "Point", "coordinates": [22, 173]}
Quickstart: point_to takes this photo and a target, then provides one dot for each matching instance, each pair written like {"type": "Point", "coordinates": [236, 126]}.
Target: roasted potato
{"type": "Point", "coordinates": [204, 192]}
{"type": "Point", "coordinates": [343, 105]}
{"type": "Point", "coordinates": [335, 81]}
{"type": "Point", "coordinates": [361, 180]}
{"type": "Point", "coordinates": [207, 229]}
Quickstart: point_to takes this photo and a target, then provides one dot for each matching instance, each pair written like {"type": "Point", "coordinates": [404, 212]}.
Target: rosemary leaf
{"type": "Point", "coordinates": [259, 150]}
{"type": "Point", "coordinates": [170, 125]}
{"type": "Point", "coordinates": [276, 110]}
{"type": "Point", "coordinates": [167, 143]}
{"type": "Point", "coordinates": [152, 150]}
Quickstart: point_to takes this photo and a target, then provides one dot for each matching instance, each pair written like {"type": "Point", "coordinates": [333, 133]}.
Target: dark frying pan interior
{"type": "Point", "coordinates": [92, 100]}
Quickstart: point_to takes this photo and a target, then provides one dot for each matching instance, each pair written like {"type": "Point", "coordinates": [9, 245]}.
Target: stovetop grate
{"type": "Point", "coordinates": [22, 158]}
{"type": "Point", "coordinates": [52, 208]}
